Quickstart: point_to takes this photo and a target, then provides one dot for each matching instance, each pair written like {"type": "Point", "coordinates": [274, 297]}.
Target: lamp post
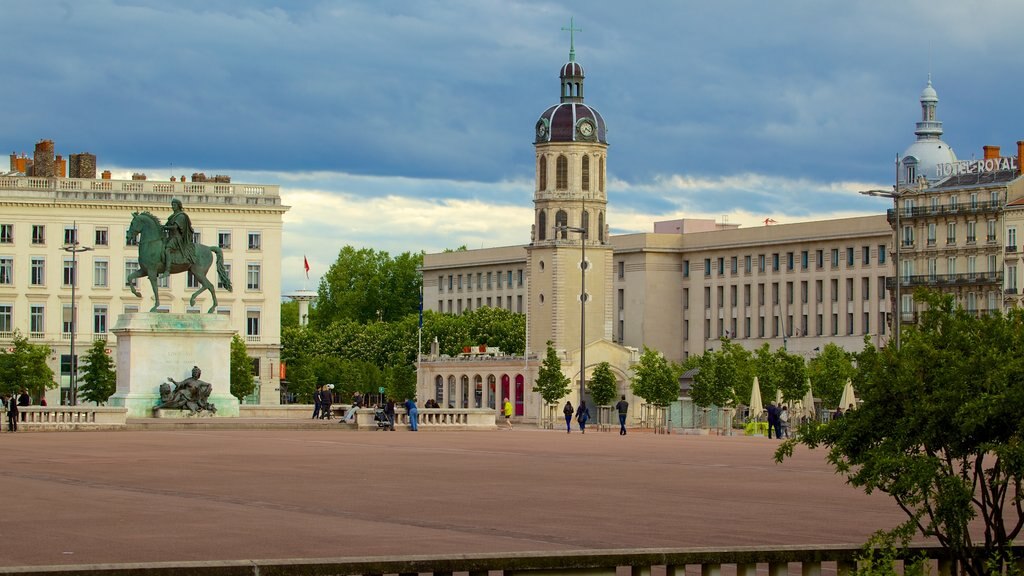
{"type": "Point", "coordinates": [74, 248]}
{"type": "Point", "coordinates": [895, 195]}
{"type": "Point", "coordinates": [583, 300]}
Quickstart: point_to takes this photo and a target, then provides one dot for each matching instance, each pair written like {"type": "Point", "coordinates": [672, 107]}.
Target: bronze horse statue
{"type": "Point", "coordinates": [151, 260]}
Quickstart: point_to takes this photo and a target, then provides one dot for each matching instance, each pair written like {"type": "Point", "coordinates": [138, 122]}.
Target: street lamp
{"type": "Point", "coordinates": [74, 248]}
{"type": "Point", "coordinates": [895, 195]}
{"type": "Point", "coordinates": [583, 299]}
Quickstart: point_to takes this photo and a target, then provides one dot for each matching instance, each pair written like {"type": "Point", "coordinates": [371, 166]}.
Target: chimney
{"type": "Point", "coordinates": [106, 175]}
{"type": "Point", "coordinates": [60, 167]}
{"type": "Point", "coordinates": [1020, 156]}
{"type": "Point", "coordinates": [14, 162]}
{"type": "Point", "coordinates": [991, 152]}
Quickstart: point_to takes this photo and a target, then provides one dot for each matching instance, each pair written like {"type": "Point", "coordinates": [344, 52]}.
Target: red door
{"type": "Point", "coordinates": [504, 390]}
{"type": "Point", "coordinates": [519, 395]}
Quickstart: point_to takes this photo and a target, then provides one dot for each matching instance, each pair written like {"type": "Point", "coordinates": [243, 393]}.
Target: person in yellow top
{"type": "Point", "coordinates": [507, 409]}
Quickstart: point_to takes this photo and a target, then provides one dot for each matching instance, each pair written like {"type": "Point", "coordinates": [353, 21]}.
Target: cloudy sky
{"type": "Point", "coordinates": [408, 125]}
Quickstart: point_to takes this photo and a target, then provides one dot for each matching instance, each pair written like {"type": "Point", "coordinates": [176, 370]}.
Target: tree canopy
{"type": "Point", "coordinates": [97, 377]}
{"type": "Point", "coordinates": [829, 372]}
{"type": "Point", "coordinates": [601, 385]}
{"type": "Point", "coordinates": [654, 380]}
{"type": "Point", "coordinates": [243, 382]}
{"type": "Point", "coordinates": [25, 367]}
{"type": "Point", "coordinates": [552, 384]}
{"type": "Point", "coordinates": [939, 430]}
{"type": "Point", "coordinates": [364, 285]}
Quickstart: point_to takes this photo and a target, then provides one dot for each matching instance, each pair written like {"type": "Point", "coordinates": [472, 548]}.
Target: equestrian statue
{"type": "Point", "coordinates": [169, 248]}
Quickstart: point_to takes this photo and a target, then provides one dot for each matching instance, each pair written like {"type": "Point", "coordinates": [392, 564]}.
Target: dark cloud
{"type": "Point", "coordinates": [451, 89]}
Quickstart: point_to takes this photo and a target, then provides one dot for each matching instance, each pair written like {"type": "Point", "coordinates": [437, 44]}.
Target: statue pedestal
{"type": "Point", "coordinates": [152, 347]}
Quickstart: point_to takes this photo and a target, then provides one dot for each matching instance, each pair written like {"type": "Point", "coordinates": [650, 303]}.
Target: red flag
{"type": "Point", "coordinates": [306, 264]}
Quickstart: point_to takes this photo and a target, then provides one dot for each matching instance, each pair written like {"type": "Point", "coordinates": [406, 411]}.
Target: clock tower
{"type": "Point", "coordinates": [569, 256]}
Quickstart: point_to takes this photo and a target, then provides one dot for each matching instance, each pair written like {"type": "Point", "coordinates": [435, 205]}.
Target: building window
{"type": "Point", "coordinates": [971, 231]}
{"type": "Point", "coordinates": [775, 262]}
{"type": "Point", "coordinates": [804, 260]}
{"type": "Point", "coordinates": [197, 237]}
{"type": "Point", "coordinates": [70, 235]}
{"type": "Point", "coordinates": [849, 289]}
{"type": "Point", "coordinates": [542, 172]}
{"type": "Point", "coordinates": [600, 226]}
{"type": "Point", "coordinates": [761, 263]}
{"type": "Point", "coordinates": [849, 257]}
{"type": "Point", "coordinates": [6, 320]}
{"type": "Point", "coordinates": [747, 264]}
{"type": "Point", "coordinates": [36, 324]}
{"type": "Point", "coordinates": [820, 259]}
{"type": "Point", "coordinates": [931, 234]}
{"type": "Point", "coordinates": [990, 231]}
{"type": "Point", "coordinates": [6, 233]}
{"type": "Point", "coordinates": [508, 282]}
{"type": "Point", "coordinates": [707, 267]}
{"type": "Point", "coordinates": [835, 257]}
{"type": "Point", "coordinates": [951, 233]}
{"type": "Point", "coordinates": [489, 280]}
{"type": "Point", "coordinates": [600, 174]}
{"type": "Point", "coordinates": [252, 325]}
{"type": "Point", "coordinates": [866, 255]}
{"type": "Point", "coordinates": [865, 288]}
{"type": "Point", "coordinates": [561, 173]}
{"type": "Point", "coordinates": [254, 240]}
{"type": "Point", "coordinates": [1011, 279]}
{"type": "Point", "coordinates": [686, 268]}
{"type": "Point", "coordinates": [6, 270]}
{"type": "Point", "coordinates": [224, 239]}
{"type": "Point", "coordinates": [100, 276]}
{"type": "Point", "coordinates": [908, 236]}
{"type": "Point", "coordinates": [99, 319]}
{"type": "Point", "coordinates": [561, 222]}
{"type": "Point", "coordinates": [585, 173]}
{"type": "Point", "coordinates": [733, 265]}
{"type": "Point", "coordinates": [69, 272]}
{"type": "Point", "coordinates": [100, 237]}
{"type": "Point", "coordinates": [881, 253]}
{"type": "Point", "coordinates": [721, 266]}
{"type": "Point", "coordinates": [132, 241]}
{"type": "Point", "coordinates": [789, 261]}
{"type": "Point", "coordinates": [819, 290]}
{"type": "Point", "coordinates": [585, 224]}
{"type": "Point", "coordinates": [542, 226]}
{"type": "Point", "coordinates": [131, 266]}
{"type": "Point", "coordinates": [252, 276]}
{"type": "Point", "coordinates": [38, 234]}
{"type": "Point", "coordinates": [1011, 238]}
{"type": "Point", "coordinates": [190, 279]}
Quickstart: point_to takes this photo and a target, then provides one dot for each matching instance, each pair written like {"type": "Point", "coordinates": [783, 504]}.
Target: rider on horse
{"type": "Point", "coordinates": [179, 238]}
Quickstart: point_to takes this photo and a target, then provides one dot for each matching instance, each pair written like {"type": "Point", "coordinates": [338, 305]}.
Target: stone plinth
{"type": "Point", "coordinates": [152, 347]}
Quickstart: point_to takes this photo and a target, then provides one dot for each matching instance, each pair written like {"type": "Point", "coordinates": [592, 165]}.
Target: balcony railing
{"type": "Point", "coordinates": [944, 210]}
{"type": "Point", "coordinates": [142, 190]}
{"type": "Point", "coordinates": [938, 280]}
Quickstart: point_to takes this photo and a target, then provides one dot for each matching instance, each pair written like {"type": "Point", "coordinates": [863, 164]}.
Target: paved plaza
{"type": "Point", "coordinates": [147, 496]}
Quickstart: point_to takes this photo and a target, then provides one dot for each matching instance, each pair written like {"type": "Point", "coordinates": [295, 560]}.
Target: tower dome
{"type": "Point", "coordinates": [571, 120]}
{"type": "Point", "coordinates": [923, 157]}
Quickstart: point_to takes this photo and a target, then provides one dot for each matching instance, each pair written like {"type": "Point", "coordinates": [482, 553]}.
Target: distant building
{"type": "Point", "coordinates": [42, 215]}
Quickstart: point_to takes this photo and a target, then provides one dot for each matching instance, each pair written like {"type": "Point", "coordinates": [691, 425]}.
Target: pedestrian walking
{"type": "Point", "coordinates": [507, 409]}
{"type": "Point", "coordinates": [622, 408]}
{"type": "Point", "coordinates": [582, 415]}
{"type": "Point", "coordinates": [316, 402]}
{"type": "Point", "coordinates": [784, 421]}
{"type": "Point", "coordinates": [12, 414]}
{"type": "Point", "coordinates": [567, 411]}
{"type": "Point", "coordinates": [389, 410]}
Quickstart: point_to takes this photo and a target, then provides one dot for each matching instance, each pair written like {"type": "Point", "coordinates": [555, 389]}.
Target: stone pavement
{"type": "Point", "coordinates": [188, 495]}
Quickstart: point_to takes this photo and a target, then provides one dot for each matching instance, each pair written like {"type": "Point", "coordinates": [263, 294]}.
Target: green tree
{"type": "Point", "coordinates": [829, 372]}
{"type": "Point", "coordinates": [290, 314]}
{"type": "Point", "coordinates": [654, 380]}
{"type": "Point", "coordinates": [552, 384]}
{"type": "Point", "coordinates": [242, 381]}
{"type": "Point", "coordinates": [601, 385]}
{"type": "Point", "coordinates": [25, 367]}
{"type": "Point", "coordinates": [939, 430]}
{"type": "Point", "coordinates": [365, 285]}
{"type": "Point", "coordinates": [779, 370]}
{"type": "Point", "coordinates": [400, 382]}
{"type": "Point", "coordinates": [97, 377]}
{"type": "Point", "coordinates": [724, 376]}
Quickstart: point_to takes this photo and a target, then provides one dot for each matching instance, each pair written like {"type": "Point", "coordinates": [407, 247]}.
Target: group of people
{"type": "Point", "coordinates": [13, 403]}
{"type": "Point", "coordinates": [778, 421]}
{"type": "Point", "coordinates": [323, 398]}
{"type": "Point", "coordinates": [582, 415]}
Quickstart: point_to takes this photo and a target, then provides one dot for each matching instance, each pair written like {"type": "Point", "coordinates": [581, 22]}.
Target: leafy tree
{"type": "Point", "coordinates": [290, 314]}
{"type": "Point", "coordinates": [780, 370]}
{"type": "Point", "coordinates": [242, 381]}
{"type": "Point", "coordinates": [552, 384]}
{"type": "Point", "coordinates": [724, 375]}
{"type": "Point", "coordinates": [829, 372]}
{"type": "Point", "coordinates": [25, 367]}
{"type": "Point", "coordinates": [602, 386]}
{"type": "Point", "coordinates": [654, 380]}
{"type": "Point", "coordinates": [400, 382]}
{"type": "Point", "coordinates": [364, 285]}
{"type": "Point", "coordinates": [939, 430]}
{"type": "Point", "coordinates": [97, 377]}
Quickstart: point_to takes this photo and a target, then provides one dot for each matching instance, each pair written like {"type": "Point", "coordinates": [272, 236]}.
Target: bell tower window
{"type": "Point", "coordinates": [542, 226]}
{"type": "Point", "coordinates": [585, 182]}
{"type": "Point", "coordinates": [562, 173]}
{"type": "Point", "coordinates": [561, 223]}
{"type": "Point", "coordinates": [542, 173]}
{"type": "Point", "coordinates": [600, 174]}
{"type": "Point", "coordinates": [600, 226]}
{"type": "Point", "coordinates": [585, 221]}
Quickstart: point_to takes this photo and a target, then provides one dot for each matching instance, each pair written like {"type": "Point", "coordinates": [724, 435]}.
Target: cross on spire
{"type": "Point", "coordinates": [572, 39]}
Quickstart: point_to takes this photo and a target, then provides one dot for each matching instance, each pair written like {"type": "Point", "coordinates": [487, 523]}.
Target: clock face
{"type": "Point", "coordinates": [586, 129]}
{"type": "Point", "coordinates": [542, 129]}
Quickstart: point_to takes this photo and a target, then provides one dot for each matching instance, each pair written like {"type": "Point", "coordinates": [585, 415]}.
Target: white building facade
{"type": "Point", "coordinates": [42, 216]}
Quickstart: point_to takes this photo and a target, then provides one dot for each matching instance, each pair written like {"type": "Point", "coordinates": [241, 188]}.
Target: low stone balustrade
{"type": "Point", "coordinates": [436, 419]}
{"type": "Point", "coordinates": [71, 418]}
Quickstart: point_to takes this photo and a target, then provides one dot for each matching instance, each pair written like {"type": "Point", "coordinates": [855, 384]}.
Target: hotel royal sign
{"type": "Point", "coordinates": [977, 166]}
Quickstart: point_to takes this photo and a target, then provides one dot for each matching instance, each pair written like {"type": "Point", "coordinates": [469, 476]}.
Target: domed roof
{"type": "Point", "coordinates": [571, 68]}
{"type": "Point", "coordinates": [928, 154]}
{"type": "Point", "coordinates": [568, 122]}
{"type": "Point", "coordinates": [929, 94]}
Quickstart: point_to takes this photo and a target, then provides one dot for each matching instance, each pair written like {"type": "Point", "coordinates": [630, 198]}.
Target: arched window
{"type": "Point", "coordinates": [585, 224]}
{"type": "Point", "coordinates": [562, 173]}
{"type": "Point", "coordinates": [451, 392]}
{"type": "Point", "coordinates": [600, 226]}
{"type": "Point", "coordinates": [542, 225]}
{"type": "Point", "coordinates": [600, 174]}
{"type": "Point", "coordinates": [439, 390]}
{"type": "Point", "coordinates": [542, 172]}
{"type": "Point", "coordinates": [585, 182]}
{"type": "Point", "coordinates": [465, 392]}
{"type": "Point", "coordinates": [561, 221]}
